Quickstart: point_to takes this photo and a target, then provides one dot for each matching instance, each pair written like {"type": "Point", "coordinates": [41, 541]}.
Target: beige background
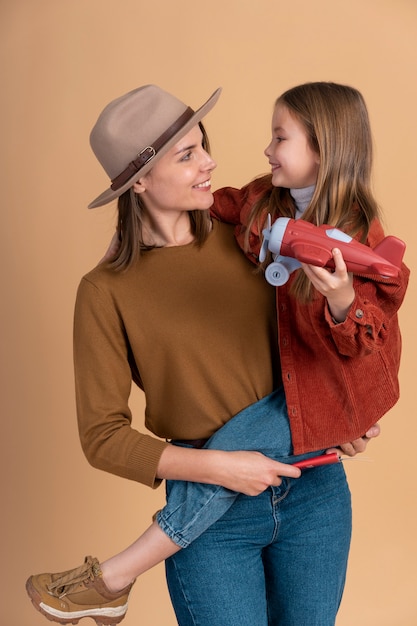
{"type": "Point", "coordinates": [61, 62]}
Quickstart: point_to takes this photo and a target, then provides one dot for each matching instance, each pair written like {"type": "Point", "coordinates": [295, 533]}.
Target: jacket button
{"type": "Point", "coordinates": [359, 313]}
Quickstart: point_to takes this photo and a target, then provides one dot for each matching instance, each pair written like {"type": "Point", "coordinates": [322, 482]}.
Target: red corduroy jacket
{"type": "Point", "coordinates": [339, 379]}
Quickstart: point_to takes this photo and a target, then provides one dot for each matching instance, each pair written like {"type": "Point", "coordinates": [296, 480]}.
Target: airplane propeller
{"type": "Point", "coordinates": [266, 234]}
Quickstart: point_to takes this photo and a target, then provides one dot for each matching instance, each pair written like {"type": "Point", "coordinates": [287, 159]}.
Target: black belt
{"type": "Point", "coordinates": [194, 443]}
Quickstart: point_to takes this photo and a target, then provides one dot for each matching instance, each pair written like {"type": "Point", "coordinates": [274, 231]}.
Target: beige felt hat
{"type": "Point", "coordinates": [136, 130]}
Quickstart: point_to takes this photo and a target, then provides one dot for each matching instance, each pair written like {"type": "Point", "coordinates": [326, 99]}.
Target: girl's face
{"type": "Point", "coordinates": [293, 162]}
{"type": "Point", "coordinates": [180, 180]}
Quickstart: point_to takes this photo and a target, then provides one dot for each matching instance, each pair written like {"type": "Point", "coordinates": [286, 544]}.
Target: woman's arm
{"type": "Point", "coordinates": [247, 472]}
{"type": "Point", "coordinates": [103, 381]}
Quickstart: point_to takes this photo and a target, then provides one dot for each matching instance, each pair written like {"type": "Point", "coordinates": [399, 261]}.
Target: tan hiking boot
{"type": "Point", "coordinates": [77, 593]}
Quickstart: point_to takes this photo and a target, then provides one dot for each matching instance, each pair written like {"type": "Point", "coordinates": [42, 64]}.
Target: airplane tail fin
{"type": "Point", "coordinates": [392, 249]}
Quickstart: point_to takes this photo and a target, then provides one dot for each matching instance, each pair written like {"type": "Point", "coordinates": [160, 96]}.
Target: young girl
{"type": "Point", "coordinates": [332, 327]}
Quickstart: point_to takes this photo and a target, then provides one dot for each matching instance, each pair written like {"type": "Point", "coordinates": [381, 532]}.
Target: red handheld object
{"type": "Point", "coordinates": [293, 242]}
{"type": "Point", "coordinates": [315, 461]}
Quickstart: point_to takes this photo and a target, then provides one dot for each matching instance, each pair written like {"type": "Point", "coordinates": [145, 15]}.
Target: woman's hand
{"type": "Point", "coordinates": [251, 472]}
{"type": "Point", "coordinates": [336, 286]}
{"type": "Point", "coordinates": [243, 471]}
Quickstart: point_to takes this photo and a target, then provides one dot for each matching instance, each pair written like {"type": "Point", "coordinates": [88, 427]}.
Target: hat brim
{"type": "Point", "coordinates": [109, 195]}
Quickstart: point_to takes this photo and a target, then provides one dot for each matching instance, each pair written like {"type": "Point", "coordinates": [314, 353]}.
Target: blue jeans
{"type": "Point", "coordinates": [279, 558]}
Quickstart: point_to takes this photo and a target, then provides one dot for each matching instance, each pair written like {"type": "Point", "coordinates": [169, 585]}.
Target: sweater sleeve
{"type": "Point", "coordinates": [103, 379]}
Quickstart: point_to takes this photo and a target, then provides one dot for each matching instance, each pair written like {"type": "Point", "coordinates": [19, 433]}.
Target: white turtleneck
{"type": "Point", "coordinates": [302, 198]}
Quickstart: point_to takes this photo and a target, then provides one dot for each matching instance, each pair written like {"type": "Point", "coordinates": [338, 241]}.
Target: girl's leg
{"type": "Point", "coordinates": [262, 426]}
{"type": "Point", "coordinates": [193, 507]}
{"type": "Point", "coordinates": [190, 510]}
{"type": "Point", "coordinates": [298, 565]}
{"type": "Point", "coordinates": [151, 548]}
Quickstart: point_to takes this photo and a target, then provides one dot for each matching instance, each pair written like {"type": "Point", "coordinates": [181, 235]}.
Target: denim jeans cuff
{"type": "Point", "coordinates": [175, 536]}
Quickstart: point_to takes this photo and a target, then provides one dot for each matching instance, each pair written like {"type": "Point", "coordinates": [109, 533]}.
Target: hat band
{"type": "Point", "coordinates": [150, 152]}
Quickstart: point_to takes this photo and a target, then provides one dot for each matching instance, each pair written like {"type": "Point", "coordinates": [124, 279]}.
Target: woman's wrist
{"type": "Point", "coordinates": [178, 463]}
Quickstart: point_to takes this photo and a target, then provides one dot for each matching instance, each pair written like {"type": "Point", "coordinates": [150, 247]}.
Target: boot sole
{"type": "Point", "coordinates": [101, 620]}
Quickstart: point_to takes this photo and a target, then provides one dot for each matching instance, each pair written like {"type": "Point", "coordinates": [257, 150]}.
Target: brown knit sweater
{"type": "Point", "coordinates": [194, 327]}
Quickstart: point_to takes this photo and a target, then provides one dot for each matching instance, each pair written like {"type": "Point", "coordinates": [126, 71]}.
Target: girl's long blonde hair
{"type": "Point", "coordinates": [336, 121]}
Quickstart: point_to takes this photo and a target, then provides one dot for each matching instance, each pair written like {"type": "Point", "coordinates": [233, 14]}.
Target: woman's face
{"type": "Point", "coordinates": [181, 179]}
{"type": "Point", "coordinates": [293, 162]}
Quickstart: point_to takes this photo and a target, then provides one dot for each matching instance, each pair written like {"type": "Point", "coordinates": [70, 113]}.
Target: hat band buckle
{"type": "Point", "coordinates": [150, 152]}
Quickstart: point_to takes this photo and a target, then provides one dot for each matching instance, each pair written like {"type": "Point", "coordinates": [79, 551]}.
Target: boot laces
{"type": "Point", "coordinates": [69, 581]}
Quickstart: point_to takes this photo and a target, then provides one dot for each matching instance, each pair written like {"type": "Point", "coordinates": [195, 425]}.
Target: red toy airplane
{"type": "Point", "coordinates": [293, 242]}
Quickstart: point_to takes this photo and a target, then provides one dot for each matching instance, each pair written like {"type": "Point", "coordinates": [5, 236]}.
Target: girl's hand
{"type": "Point", "coordinates": [357, 446]}
{"type": "Point", "coordinates": [336, 286]}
